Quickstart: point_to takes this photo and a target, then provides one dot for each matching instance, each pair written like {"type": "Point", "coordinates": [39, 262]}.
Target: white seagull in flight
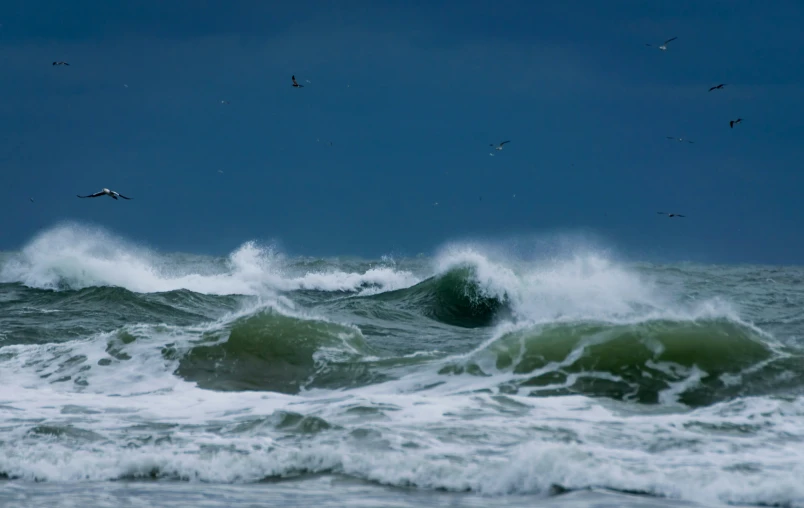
{"type": "Point", "coordinates": [663, 47]}
{"type": "Point", "coordinates": [500, 146]}
{"type": "Point", "coordinates": [105, 192]}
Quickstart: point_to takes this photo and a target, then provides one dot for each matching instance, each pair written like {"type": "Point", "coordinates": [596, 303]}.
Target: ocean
{"type": "Point", "coordinates": [481, 375]}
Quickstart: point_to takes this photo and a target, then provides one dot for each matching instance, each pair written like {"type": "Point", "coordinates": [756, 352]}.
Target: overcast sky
{"type": "Point", "coordinates": [410, 94]}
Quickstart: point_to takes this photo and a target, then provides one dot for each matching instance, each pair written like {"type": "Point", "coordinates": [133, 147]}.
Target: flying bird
{"type": "Point", "coordinates": [295, 84]}
{"type": "Point", "coordinates": [61, 63]}
{"type": "Point", "coordinates": [500, 146]}
{"type": "Point", "coordinates": [671, 215]}
{"type": "Point", "coordinates": [732, 123]}
{"type": "Point", "coordinates": [680, 139]}
{"type": "Point", "coordinates": [224, 102]}
{"type": "Point", "coordinates": [663, 47]}
{"type": "Point", "coordinates": [718, 87]}
{"type": "Point", "coordinates": [105, 192]}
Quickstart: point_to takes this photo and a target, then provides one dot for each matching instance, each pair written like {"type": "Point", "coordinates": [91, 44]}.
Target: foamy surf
{"type": "Point", "coordinates": [77, 257]}
{"type": "Point", "coordinates": [476, 372]}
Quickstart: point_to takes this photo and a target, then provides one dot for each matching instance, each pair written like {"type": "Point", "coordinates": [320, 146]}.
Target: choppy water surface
{"type": "Point", "coordinates": [472, 378]}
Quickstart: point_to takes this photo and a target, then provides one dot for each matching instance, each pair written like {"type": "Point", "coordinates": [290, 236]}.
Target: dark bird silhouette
{"type": "Point", "coordinates": [718, 87]}
{"type": "Point", "coordinates": [671, 215]}
{"type": "Point", "coordinates": [105, 192]}
{"type": "Point", "coordinates": [663, 46]}
{"type": "Point", "coordinates": [61, 63]}
{"type": "Point", "coordinates": [295, 84]}
{"type": "Point", "coordinates": [734, 122]}
{"type": "Point", "coordinates": [500, 146]}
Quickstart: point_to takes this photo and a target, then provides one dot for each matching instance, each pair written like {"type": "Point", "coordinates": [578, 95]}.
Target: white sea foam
{"type": "Point", "coordinates": [135, 416]}
{"type": "Point", "coordinates": [582, 285]}
{"type": "Point", "coordinates": [75, 257]}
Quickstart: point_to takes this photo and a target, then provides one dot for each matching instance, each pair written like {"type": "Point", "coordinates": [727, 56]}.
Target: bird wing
{"type": "Point", "coordinates": [670, 40]}
{"type": "Point", "coordinates": [122, 196]}
{"type": "Point", "coordinates": [670, 137]}
{"type": "Point", "coordinates": [92, 195]}
{"type": "Point", "coordinates": [504, 142]}
{"type": "Point", "coordinates": [679, 215]}
{"type": "Point", "coordinates": [712, 88]}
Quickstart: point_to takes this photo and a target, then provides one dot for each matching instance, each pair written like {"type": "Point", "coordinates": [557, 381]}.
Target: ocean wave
{"type": "Point", "coordinates": [693, 362]}
{"type": "Point", "coordinates": [304, 446]}
{"type": "Point", "coordinates": [453, 298]}
{"type": "Point", "coordinates": [72, 256]}
{"type": "Point", "coordinates": [583, 284]}
{"type": "Point", "coordinates": [270, 351]}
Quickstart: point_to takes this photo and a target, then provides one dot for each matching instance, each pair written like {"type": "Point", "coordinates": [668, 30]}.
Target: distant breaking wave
{"type": "Point", "coordinates": [77, 257]}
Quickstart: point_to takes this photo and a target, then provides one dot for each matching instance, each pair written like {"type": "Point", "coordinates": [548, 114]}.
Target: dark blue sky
{"type": "Point", "coordinates": [410, 93]}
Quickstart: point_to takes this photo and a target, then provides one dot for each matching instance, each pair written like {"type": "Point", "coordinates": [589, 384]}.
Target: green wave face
{"type": "Point", "coordinates": [454, 298]}
{"type": "Point", "coordinates": [695, 363]}
{"type": "Point", "coordinates": [274, 352]}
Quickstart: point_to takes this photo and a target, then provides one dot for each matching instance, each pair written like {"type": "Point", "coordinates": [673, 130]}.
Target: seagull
{"type": "Point", "coordinates": [671, 215]}
{"type": "Point", "coordinates": [734, 122]}
{"type": "Point", "coordinates": [295, 84]}
{"type": "Point", "coordinates": [663, 47]}
{"type": "Point", "coordinates": [61, 63]}
{"type": "Point", "coordinates": [500, 146]}
{"type": "Point", "coordinates": [680, 139]}
{"type": "Point", "coordinates": [224, 102]}
{"type": "Point", "coordinates": [105, 192]}
{"type": "Point", "coordinates": [718, 87]}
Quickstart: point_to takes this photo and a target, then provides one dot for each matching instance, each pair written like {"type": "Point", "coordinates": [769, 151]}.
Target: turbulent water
{"type": "Point", "coordinates": [479, 376]}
